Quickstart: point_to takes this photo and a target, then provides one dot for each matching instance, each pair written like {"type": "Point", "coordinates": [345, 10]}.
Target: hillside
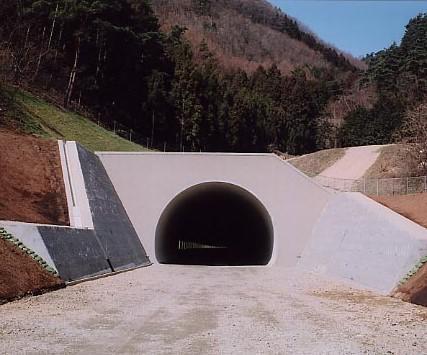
{"type": "Point", "coordinates": [203, 75]}
{"type": "Point", "coordinates": [24, 112]}
{"type": "Point", "coordinates": [250, 33]}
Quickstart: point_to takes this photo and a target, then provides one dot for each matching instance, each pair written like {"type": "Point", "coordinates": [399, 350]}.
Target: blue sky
{"type": "Point", "coordinates": [357, 27]}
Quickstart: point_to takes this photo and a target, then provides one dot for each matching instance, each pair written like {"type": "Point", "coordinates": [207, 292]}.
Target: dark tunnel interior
{"type": "Point", "coordinates": [214, 224]}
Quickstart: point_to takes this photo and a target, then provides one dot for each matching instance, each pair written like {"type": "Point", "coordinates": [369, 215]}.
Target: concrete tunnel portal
{"type": "Point", "coordinates": [214, 224]}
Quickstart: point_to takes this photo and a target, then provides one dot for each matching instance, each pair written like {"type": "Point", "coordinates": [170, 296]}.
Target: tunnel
{"type": "Point", "coordinates": [214, 224]}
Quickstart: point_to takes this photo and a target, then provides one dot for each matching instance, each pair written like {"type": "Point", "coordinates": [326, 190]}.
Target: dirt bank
{"type": "Point", "coordinates": [413, 207]}
{"type": "Point", "coordinates": [21, 275]}
{"type": "Point", "coordinates": [415, 289]}
{"type": "Point", "coordinates": [31, 184]}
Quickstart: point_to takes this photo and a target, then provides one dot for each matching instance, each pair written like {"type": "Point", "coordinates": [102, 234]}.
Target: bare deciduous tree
{"type": "Point", "coordinates": [414, 134]}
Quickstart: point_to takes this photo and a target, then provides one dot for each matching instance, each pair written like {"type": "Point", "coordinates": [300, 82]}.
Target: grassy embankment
{"type": "Point", "coordinates": [36, 116]}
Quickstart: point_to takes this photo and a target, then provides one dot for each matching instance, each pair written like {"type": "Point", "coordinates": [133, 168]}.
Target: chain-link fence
{"type": "Point", "coordinates": [384, 186]}
{"type": "Point", "coordinates": [135, 137]}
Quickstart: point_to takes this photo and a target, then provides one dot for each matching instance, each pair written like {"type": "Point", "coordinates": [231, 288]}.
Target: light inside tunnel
{"type": "Point", "coordinates": [214, 224]}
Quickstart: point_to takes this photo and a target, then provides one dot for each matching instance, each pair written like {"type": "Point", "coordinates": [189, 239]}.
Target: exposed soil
{"type": "Point", "coordinates": [415, 289]}
{"type": "Point", "coordinates": [413, 207]}
{"type": "Point", "coordinates": [31, 184]}
{"type": "Point", "coordinates": [20, 275]}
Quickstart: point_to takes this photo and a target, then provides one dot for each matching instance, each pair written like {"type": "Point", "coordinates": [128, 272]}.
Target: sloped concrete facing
{"type": "Point", "coordinates": [112, 244]}
{"type": "Point", "coordinates": [112, 227]}
{"type": "Point", "coordinates": [101, 239]}
{"type": "Point", "coordinates": [346, 236]}
{"type": "Point", "coordinates": [29, 235]}
{"type": "Point", "coordinates": [360, 240]}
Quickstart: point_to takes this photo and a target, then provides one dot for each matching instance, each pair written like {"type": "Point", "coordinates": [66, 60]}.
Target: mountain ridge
{"type": "Point", "coordinates": [247, 33]}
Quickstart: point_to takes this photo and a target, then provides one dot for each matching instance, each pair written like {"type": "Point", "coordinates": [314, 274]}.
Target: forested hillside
{"type": "Point", "coordinates": [207, 75]}
{"type": "Point", "coordinates": [399, 74]}
{"type": "Point", "coordinates": [247, 33]}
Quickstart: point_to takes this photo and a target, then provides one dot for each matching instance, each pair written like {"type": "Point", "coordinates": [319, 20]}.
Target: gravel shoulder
{"type": "Point", "coordinates": [193, 310]}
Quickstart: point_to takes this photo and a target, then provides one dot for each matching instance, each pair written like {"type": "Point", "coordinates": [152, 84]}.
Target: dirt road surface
{"type": "Point", "coordinates": [211, 310]}
{"type": "Point", "coordinates": [355, 163]}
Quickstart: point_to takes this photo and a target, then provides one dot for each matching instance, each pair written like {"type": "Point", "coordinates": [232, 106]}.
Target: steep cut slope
{"type": "Point", "coordinates": [246, 34]}
{"type": "Point", "coordinates": [31, 184]}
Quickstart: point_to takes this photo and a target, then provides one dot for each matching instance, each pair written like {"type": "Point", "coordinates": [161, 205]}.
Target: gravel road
{"type": "Point", "coordinates": [355, 162]}
{"type": "Point", "coordinates": [212, 310]}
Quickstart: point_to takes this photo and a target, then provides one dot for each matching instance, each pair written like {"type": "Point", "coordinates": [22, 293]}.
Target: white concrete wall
{"type": "Point", "coordinates": [147, 182]}
{"type": "Point", "coordinates": [29, 235]}
{"type": "Point", "coordinates": [361, 240]}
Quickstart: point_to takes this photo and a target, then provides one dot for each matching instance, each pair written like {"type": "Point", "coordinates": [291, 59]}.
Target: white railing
{"type": "Point", "coordinates": [381, 186]}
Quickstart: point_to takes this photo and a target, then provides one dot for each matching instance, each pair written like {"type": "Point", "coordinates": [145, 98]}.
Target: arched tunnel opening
{"type": "Point", "coordinates": [214, 224]}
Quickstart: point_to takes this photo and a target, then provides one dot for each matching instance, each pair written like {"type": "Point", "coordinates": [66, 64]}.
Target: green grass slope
{"type": "Point", "coordinates": [42, 118]}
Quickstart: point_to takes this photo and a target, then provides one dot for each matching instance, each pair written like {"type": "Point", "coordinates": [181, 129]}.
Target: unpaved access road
{"type": "Point", "coordinates": [355, 163]}
{"type": "Point", "coordinates": [212, 310]}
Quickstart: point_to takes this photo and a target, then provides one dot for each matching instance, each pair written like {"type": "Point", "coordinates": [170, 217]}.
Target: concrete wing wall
{"type": "Point", "coordinates": [113, 229]}
{"type": "Point", "coordinates": [101, 239]}
{"type": "Point", "coordinates": [361, 240]}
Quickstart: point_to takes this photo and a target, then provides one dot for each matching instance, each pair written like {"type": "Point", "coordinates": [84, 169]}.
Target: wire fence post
{"type": "Point", "coordinates": [378, 182]}
{"type": "Point", "coordinates": [364, 186]}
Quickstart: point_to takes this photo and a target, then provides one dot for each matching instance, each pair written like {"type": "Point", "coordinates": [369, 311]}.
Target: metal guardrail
{"type": "Point", "coordinates": [381, 186]}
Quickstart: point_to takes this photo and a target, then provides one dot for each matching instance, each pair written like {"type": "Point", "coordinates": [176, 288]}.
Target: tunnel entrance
{"type": "Point", "coordinates": [214, 224]}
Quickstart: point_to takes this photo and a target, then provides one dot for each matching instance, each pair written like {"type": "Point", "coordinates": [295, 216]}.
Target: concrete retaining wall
{"type": "Point", "coordinates": [360, 240]}
{"type": "Point", "coordinates": [101, 238]}
{"type": "Point", "coordinates": [29, 234]}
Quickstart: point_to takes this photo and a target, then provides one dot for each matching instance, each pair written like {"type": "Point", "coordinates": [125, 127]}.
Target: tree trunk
{"type": "Point", "coordinates": [152, 129]}
{"type": "Point", "coordinates": [36, 73]}
{"type": "Point", "coordinates": [73, 73]}
{"type": "Point", "coordinates": [53, 27]}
